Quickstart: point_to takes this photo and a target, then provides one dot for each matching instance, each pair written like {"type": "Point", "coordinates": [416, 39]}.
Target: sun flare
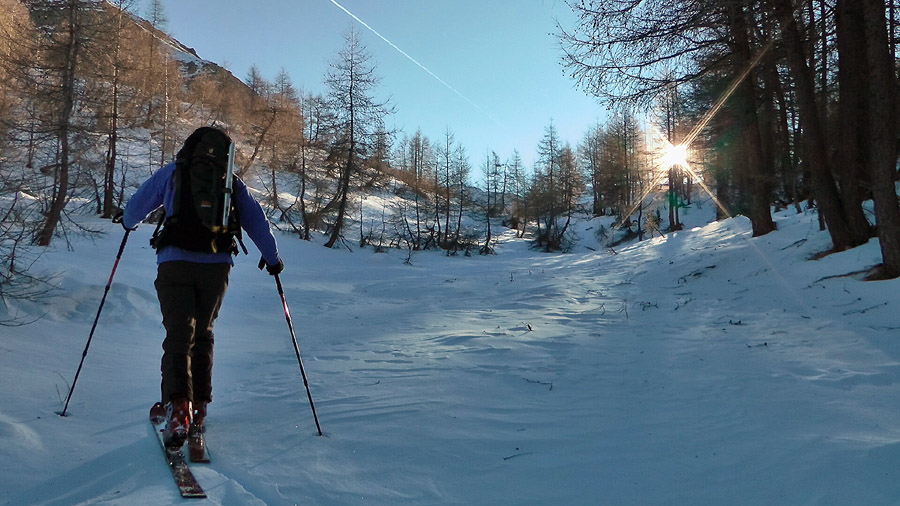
{"type": "Point", "coordinates": [674, 155]}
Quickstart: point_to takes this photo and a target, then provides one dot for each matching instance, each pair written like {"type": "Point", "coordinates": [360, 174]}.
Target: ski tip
{"type": "Point", "coordinates": [157, 411]}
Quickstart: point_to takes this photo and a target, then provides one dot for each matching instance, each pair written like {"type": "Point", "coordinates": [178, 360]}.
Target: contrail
{"type": "Point", "coordinates": [410, 58]}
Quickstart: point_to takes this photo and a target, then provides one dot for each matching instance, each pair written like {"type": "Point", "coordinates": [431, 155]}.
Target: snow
{"type": "Point", "coordinates": [705, 367]}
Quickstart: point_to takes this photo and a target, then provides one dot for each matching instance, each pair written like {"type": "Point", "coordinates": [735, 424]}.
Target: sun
{"type": "Point", "coordinates": [674, 155]}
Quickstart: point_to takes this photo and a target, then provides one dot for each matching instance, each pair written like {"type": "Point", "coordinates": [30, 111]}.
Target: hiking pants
{"type": "Point", "coordinates": [190, 295]}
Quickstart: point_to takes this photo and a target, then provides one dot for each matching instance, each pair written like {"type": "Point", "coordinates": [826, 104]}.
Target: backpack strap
{"type": "Point", "coordinates": [159, 224]}
{"type": "Point", "coordinates": [240, 240]}
{"type": "Point", "coordinates": [238, 232]}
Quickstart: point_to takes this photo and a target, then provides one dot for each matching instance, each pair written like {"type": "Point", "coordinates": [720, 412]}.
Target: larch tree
{"type": "Point", "coordinates": [850, 157]}
{"type": "Point", "coordinates": [489, 169]}
{"type": "Point", "coordinates": [882, 140]}
{"type": "Point", "coordinates": [641, 52]}
{"type": "Point", "coordinates": [516, 175]}
{"type": "Point", "coordinates": [113, 69]}
{"type": "Point", "coordinates": [552, 188]}
{"type": "Point", "coordinates": [814, 136]}
{"type": "Point", "coordinates": [62, 50]}
{"type": "Point", "coordinates": [156, 15]}
{"type": "Point", "coordinates": [445, 169]}
{"type": "Point", "coordinates": [754, 163]}
{"type": "Point", "coordinates": [591, 161]}
{"type": "Point", "coordinates": [351, 81]}
{"type": "Point", "coordinates": [15, 28]}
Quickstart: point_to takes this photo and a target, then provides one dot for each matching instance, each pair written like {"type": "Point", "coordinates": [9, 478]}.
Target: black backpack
{"type": "Point", "coordinates": [204, 214]}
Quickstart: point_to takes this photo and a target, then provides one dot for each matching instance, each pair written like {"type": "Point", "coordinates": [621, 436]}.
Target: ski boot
{"type": "Point", "coordinates": [199, 417]}
{"type": "Point", "coordinates": [178, 414]}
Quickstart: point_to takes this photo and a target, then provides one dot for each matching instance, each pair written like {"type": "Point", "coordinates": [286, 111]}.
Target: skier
{"type": "Point", "coordinates": [192, 276]}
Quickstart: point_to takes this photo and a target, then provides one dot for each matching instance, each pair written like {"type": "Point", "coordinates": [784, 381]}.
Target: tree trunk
{"type": "Point", "coordinates": [344, 184]}
{"type": "Point", "coordinates": [109, 186]}
{"type": "Point", "coordinates": [785, 167]}
{"type": "Point", "coordinates": [303, 175]}
{"type": "Point", "coordinates": [259, 142]}
{"type": "Point", "coordinates": [68, 97]}
{"type": "Point", "coordinates": [343, 190]}
{"type": "Point", "coordinates": [109, 183]}
{"type": "Point", "coordinates": [853, 73]}
{"type": "Point", "coordinates": [882, 135]}
{"type": "Point", "coordinates": [447, 200]}
{"type": "Point", "coordinates": [416, 162]}
{"type": "Point", "coordinates": [827, 197]}
{"type": "Point", "coordinates": [758, 171]}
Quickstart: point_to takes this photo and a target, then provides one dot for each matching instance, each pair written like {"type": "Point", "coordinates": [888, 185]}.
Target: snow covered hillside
{"type": "Point", "coordinates": [705, 367]}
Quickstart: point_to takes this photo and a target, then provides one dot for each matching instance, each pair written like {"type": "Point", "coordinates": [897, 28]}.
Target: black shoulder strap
{"type": "Point", "coordinates": [159, 224]}
{"type": "Point", "coordinates": [235, 217]}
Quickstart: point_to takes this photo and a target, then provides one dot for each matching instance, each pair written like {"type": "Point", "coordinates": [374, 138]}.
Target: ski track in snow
{"type": "Point", "coordinates": [705, 367]}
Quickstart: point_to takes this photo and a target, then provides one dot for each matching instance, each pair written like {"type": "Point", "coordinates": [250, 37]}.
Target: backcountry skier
{"type": "Point", "coordinates": [193, 263]}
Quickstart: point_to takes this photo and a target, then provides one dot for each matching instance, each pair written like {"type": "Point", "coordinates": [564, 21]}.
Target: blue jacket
{"type": "Point", "coordinates": [160, 190]}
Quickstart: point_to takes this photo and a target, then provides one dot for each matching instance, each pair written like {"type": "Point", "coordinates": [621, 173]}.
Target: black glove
{"type": "Point", "coordinates": [272, 269]}
{"type": "Point", "coordinates": [118, 219]}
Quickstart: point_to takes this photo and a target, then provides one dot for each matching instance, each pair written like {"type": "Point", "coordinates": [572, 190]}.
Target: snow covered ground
{"type": "Point", "coordinates": [703, 368]}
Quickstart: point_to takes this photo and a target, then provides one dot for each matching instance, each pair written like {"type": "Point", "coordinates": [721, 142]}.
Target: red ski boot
{"type": "Point", "coordinates": [178, 414]}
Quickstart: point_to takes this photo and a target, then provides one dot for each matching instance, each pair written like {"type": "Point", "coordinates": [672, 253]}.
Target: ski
{"type": "Point", "coordinates": [184, 479]}
{"type": "Point", "coordinates": [197, 451]}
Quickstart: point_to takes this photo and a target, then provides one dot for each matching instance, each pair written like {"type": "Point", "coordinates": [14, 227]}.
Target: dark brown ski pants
{"type": "Point", "coordinates": [190, 295]}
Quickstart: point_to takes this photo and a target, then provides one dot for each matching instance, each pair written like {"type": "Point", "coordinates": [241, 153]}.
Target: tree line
{"type": "Point", "coordinates": [781, 101]}
{"type": "Point", "coordinates": [94, 99]}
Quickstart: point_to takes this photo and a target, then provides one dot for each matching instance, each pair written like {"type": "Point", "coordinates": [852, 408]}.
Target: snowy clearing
{"type": "Point", "coordinates": [706, 368]}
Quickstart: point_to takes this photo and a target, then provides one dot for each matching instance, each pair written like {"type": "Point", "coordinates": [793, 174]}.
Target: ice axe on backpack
{"type": "Point", "coordinates": [229, 172]}
{"type": "Point", "coordinates": [287, 316]}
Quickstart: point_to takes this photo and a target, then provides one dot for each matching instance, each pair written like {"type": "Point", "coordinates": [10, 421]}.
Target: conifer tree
{"type": "Point", "coordinates": [351, 82]}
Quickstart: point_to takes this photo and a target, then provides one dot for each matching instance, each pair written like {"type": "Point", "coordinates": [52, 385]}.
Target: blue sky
{"type": "Point", "coordinates": [499, 54]}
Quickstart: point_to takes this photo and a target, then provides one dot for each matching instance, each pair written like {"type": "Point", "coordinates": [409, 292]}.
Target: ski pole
{"type": "Point", "coordinates": [287, 316]}
{"type": "Point", "coordinates": [94, 326]}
